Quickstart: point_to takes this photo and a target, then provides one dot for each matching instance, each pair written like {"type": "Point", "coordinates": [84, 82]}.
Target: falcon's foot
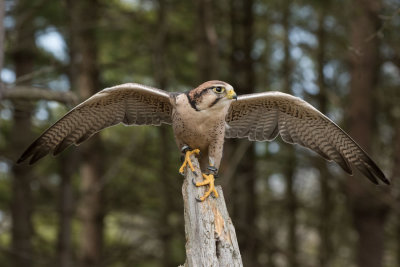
{"type": "Point", "coordinates": [188, 152]}
{"type": "Point", "coordinates": [208, 180]}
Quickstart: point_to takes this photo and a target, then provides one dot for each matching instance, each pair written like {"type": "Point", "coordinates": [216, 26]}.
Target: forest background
{"type": "Point", "coordinates": [116, 200]}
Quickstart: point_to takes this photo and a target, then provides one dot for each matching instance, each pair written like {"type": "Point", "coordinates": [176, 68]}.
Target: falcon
{"type": "Point", "coordinates": [201, 120]}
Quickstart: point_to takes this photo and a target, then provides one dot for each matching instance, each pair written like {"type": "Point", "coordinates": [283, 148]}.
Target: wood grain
{"type": "Point", "coordinates": [210, 234]}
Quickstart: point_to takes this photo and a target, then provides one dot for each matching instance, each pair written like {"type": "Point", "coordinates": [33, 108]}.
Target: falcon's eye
{"type": "Point", "coordinates": [219, 89]}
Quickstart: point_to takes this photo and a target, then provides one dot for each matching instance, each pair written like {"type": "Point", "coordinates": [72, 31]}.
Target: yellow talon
{"type": "Point", "coordinates": [208, 180]}
{"type": "Point", "coordinates": [187, 160]}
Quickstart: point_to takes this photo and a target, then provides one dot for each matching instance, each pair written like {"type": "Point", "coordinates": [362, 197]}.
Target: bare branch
{"type": "Point", "coordinates": [385, 22]}
{"type": "Point", "coordinates": [30, 76]}
{"type": "Point", "coordinates": [35, 94]}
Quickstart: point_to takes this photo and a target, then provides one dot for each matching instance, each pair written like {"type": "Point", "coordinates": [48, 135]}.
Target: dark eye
{"type": "Point", "coordinates": [219, 89]}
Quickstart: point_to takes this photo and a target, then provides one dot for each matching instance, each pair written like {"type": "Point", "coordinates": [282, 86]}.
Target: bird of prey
{"type": "Point", "coordinates": [201, 119]}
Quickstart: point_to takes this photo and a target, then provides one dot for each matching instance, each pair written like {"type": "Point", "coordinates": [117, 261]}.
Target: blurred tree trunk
{"type": "Point", "coordinates": [395, 178]}
{"type": "Point", "coordinates": [66, 209]}
{"type": "Point", "coordinates": [392, 104]}
{"type": "Point", "coordinates": [369, 210]}
{"type": "Point", "coordinates": [161, 78]}
{"type": "Point", "coordinates": [207, 40]}
{"type": "Point", "coordinates": [92, 206]}
{"type": "Point", "coordinates": [166, 231]}
{"type": "Point", "coordinates": [244, 195]}
{"type": "Point", "coordinates": [271, 246]}
{"type": "Point", "coordinates": [325, 249]}
{"type": "Point", "coordinates": [21, 204]}
{"type": "Point", "coordinates": [160, 46]}
{"type": "Point", "coordinates": [68, 160]}
{"type": "Point", "coordinates": [2, 30]}
{"type": "Point", "coordinates": [83, 21]}
{"type": "Point", "coordinates": [290, 159]}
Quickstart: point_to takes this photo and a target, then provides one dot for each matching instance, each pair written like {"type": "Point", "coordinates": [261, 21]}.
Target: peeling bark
{"type": "Point", "coordinates": [210, 234]}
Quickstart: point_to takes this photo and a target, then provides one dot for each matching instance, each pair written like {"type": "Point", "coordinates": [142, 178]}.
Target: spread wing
{"type": "Point", "coordinates": [131, 104]}
{"type": "Point", "coordinates": [261, 117]}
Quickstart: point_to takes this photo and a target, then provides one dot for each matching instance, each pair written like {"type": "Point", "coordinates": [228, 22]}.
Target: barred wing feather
{"type": "Point", "coordinates": [261, 117]}
{"type": "Point", "coordinates": [131, 104]}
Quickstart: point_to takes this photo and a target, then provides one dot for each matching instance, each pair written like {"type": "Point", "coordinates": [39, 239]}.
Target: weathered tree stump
{"type": "Point", "coordinates": [210, 234]}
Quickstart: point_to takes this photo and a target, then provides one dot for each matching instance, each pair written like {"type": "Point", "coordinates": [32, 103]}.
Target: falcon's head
{"type": "Point", "coordinates": [211, 94]}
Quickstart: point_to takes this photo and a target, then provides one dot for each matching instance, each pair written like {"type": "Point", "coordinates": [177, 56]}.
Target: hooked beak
{"type": "Point", "coordinates": [231, 94]}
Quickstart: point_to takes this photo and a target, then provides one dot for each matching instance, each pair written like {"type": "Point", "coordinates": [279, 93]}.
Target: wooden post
{"type": "Point", "coordinates": [210, 234]}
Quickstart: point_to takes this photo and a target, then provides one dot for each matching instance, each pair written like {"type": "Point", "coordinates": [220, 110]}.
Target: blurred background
{"type": "Point", "coordinates": [116, 200]}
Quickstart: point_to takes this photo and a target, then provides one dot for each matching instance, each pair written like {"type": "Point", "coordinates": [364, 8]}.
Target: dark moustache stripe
{"type": "Point", "coordinates": [196, 96]}
{"type": "Point", "coordinates": [191, 102]}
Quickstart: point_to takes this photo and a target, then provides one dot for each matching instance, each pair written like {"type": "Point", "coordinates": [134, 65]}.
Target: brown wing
{"type": "Point", "coordinates": [263, 116]}
{"type": "Point", "coordinates": [131, 104]}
